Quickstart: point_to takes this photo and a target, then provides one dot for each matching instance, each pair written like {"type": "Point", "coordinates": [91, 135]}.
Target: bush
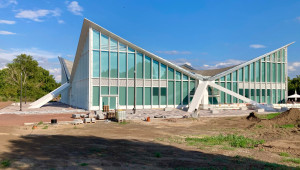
{"type": "Point", "coordinates": [5, 163]}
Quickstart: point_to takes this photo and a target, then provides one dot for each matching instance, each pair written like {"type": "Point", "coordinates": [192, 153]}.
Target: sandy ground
{"type": "Point", "coordinates": [138, 144]}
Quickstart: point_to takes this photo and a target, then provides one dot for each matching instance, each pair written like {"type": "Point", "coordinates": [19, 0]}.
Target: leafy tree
{"type": "Point", "coordinates": [294, 84]}
{"type": "Point", "coordinates": [36, 80]}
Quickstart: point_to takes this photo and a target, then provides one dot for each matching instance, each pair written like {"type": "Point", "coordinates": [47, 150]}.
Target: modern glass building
{"type": "Point", "coordinates": [108, 70]}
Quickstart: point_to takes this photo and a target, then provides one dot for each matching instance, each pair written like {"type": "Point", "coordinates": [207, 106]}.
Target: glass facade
{"type": "Point", "coordinates": [156, 82]}
{"type": "Point", "coordinates": [160, 84]}
{"type": "Point", "coordinates": [262, 81]}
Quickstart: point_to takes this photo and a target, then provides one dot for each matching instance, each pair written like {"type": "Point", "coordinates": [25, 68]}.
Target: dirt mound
{"type": "Point", "coordinates": [291, 116]}
{"type": "Point", "coordinates": [252, 117]}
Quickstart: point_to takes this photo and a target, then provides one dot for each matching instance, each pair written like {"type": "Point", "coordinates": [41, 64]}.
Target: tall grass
{"type": "Point", "coordinates": [232, 140]}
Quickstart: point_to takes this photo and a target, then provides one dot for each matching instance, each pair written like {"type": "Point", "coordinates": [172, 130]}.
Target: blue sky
{"type": "Point", "coordinates": [207, 34]}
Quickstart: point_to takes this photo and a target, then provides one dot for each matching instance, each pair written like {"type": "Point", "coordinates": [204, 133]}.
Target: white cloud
{"type": "Point", "coordinates": [6, 33]}
{"type": "Point", "coordinates": [7, 22]}
{"type": "Point", "coordinates": [56, 72]}
{"type": "Point", "coordinates": [6, 3]}
{"type": "Point", "coordinates": [43, 58]}
{"type": "Point", "coordinates": [181, 61]}
{"type": "Point", "coordinates": [37, 14]}
{"type": "Point", "coordinates": [174, 52]}
{"type": "Point", "coordinates": [293, 69]}
{"type": "Point", "coordinates": [257, 46]}
{"type": "Point", "coordinates": [74, 7]}
{"type": "Point", "coordinates": [61, 21]}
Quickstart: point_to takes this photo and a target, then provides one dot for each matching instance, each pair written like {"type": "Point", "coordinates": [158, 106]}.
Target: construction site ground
{"type": "Point", "coordinates": [137, 144]}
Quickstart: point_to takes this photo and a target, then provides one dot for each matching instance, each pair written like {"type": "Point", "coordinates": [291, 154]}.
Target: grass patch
{"type": "Point", "coordinates": [157, 154]}
{"type": "Point", "coordinates": [233, 140]}
{"type": "Point", "coordinates": [259, 126]}
{"type": "Point", "coordinates": [40, 123]}
{"type": "Point", "coordinates": [124, 123]}
{"type": "Point", "coordinates": [287, 126]}
{"type": "Point", "coordinates": [45, 127]}
{"type": "Point", "coordinates": [84, 164]}
{"type": "Point", "coordinates": [284, 154]}
{"type": "Point", "coordinates": [228, 148]}
{"type": "Point", "coordinates": [5, 164]}
{"type": "Point", "coordinates": [269, 116]}
{"type": "Point", "coordinates": [294, 160]}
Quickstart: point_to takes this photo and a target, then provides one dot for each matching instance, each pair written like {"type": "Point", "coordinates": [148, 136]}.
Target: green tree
{"type": "Point", "coordinates": [294, 84]}
{"type": "Point", "coordinates": [36, 80]}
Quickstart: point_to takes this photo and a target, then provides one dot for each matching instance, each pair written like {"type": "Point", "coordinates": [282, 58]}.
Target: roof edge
{"type": "Point", "coordinates": [246, 63]}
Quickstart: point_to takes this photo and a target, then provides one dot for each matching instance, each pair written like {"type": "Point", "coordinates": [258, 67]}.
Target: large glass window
{"type": "Point", "coordinates": [252, 72]}
{"type": "Point", "coordinates": [96, 96]}
{"type": "Point", "coordinates": [139, 66]}
{"type": "Point", "coordinates": [185, 92]}
{"type": "Point", "coordinates": [234, 76]}
{"type": "Point", "coordinates": [269, 96]}
{"type": "Point", "coordinates": [274, 96]}
{"type": "Point", "coordinates": [122, 65]}
{"type": "Point", "coordinates": [131, 61]}
{"type": "Point", "coordinates": [130, 50]}
{"type": "Point", "coordinates": [241, 74]}
{"type": "Point", "coordinates": [178, 75]}
{"type": "Point", "coordinates": [192, 87]}
{"type": "Point", "coordinates": [147, 95]}
{"type": "Point", "coordinates": [113, 90]}
{"type": "Point", "coordinates": [147, 67]}
{"type": "Point", "coordinates": [114, 65]}
{"type": "Point", "coordinates": [163, 96]}
{"type": "Point", "coordinates": [104, 42]}
{"type": "Point", "coordinates": [228, 86]}
{"type": "Point", "coordinates": [263, 72]}
{"type": "Point", "coordinates": [104, 90]}
{"type": "Point", "coordinates": [130, 95]}
{"type": "Point", "coordinates": [223, 96]}
{"type": "Point", "coordinates": [155, 96]}
{"type": "Point", "coordinates": [170, 73]}
{"type": "Point", "coordinates": [268, 72]}
{"type": "Point", "coordinates": [247, 73]}
{"type": "Point", "coordinates": [139, 96]}
{"type": "Point", "coordinates": [278, 72]}
{"type": "Point", "coordinates": [171, 93]}
{"type": "Point", "coordinates": [258, 95]}
{"type": "Point", "coordinates": [113, 45]}
{"type": "Point", "coordinates": [263, 95]}
{"type": "Point", "coordinates": [178, 92]}
{"type": "Point", "coordinates": [96, 64]}
{"type": "Point", "coordinates": [163, 71]}
{"type": "Point", "coordinates": [283, 55]}
{"type": "Point", "coordinates": [228, 77]}
{"type": "Point", "coordinates": [257, 71]}
{"type": "Point", "coordinates": [274, 72]}
{"type": "Point", "coordinates": [96, 40]}
{"type": "Point", "coordinates": [122, 47]}
{"type": "Point", "coordinates": [122, 96]}
{"type": "Point", "coordinates": [155, 69]}
{"type": "Point", "coordinates": [252, 94]}
{"type": "Point", "coordinates": [104, 63]}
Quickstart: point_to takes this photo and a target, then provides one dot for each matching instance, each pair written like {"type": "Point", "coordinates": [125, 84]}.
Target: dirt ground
{"type": "Point", "coordinates": [158, 144]}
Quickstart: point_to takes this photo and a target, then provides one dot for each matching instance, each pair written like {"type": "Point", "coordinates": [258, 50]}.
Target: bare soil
{"type": "Point", "coordinates": [158, 144]}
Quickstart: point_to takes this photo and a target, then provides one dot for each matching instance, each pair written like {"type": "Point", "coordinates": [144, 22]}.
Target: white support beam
{"type": "Point", "coordinates": [199, 93]}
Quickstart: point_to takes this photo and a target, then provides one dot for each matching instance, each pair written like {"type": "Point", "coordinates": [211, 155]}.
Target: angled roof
{"type": "Point", "coordinates": [84, 34]}
{"type": "Point", "coordinates": [66, 66]}
{"type": "Point", "coordinates": [237, 67]}
{"type": "Point", "coordinates": [209, 73]}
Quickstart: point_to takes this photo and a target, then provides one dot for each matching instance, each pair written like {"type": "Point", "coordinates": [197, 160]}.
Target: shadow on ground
{"type": "Point", "coordinates": [89, 152]}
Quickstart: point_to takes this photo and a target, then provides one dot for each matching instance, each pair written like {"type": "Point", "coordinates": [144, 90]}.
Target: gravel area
{"type": "Point", "coordinates": [49, 108]}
